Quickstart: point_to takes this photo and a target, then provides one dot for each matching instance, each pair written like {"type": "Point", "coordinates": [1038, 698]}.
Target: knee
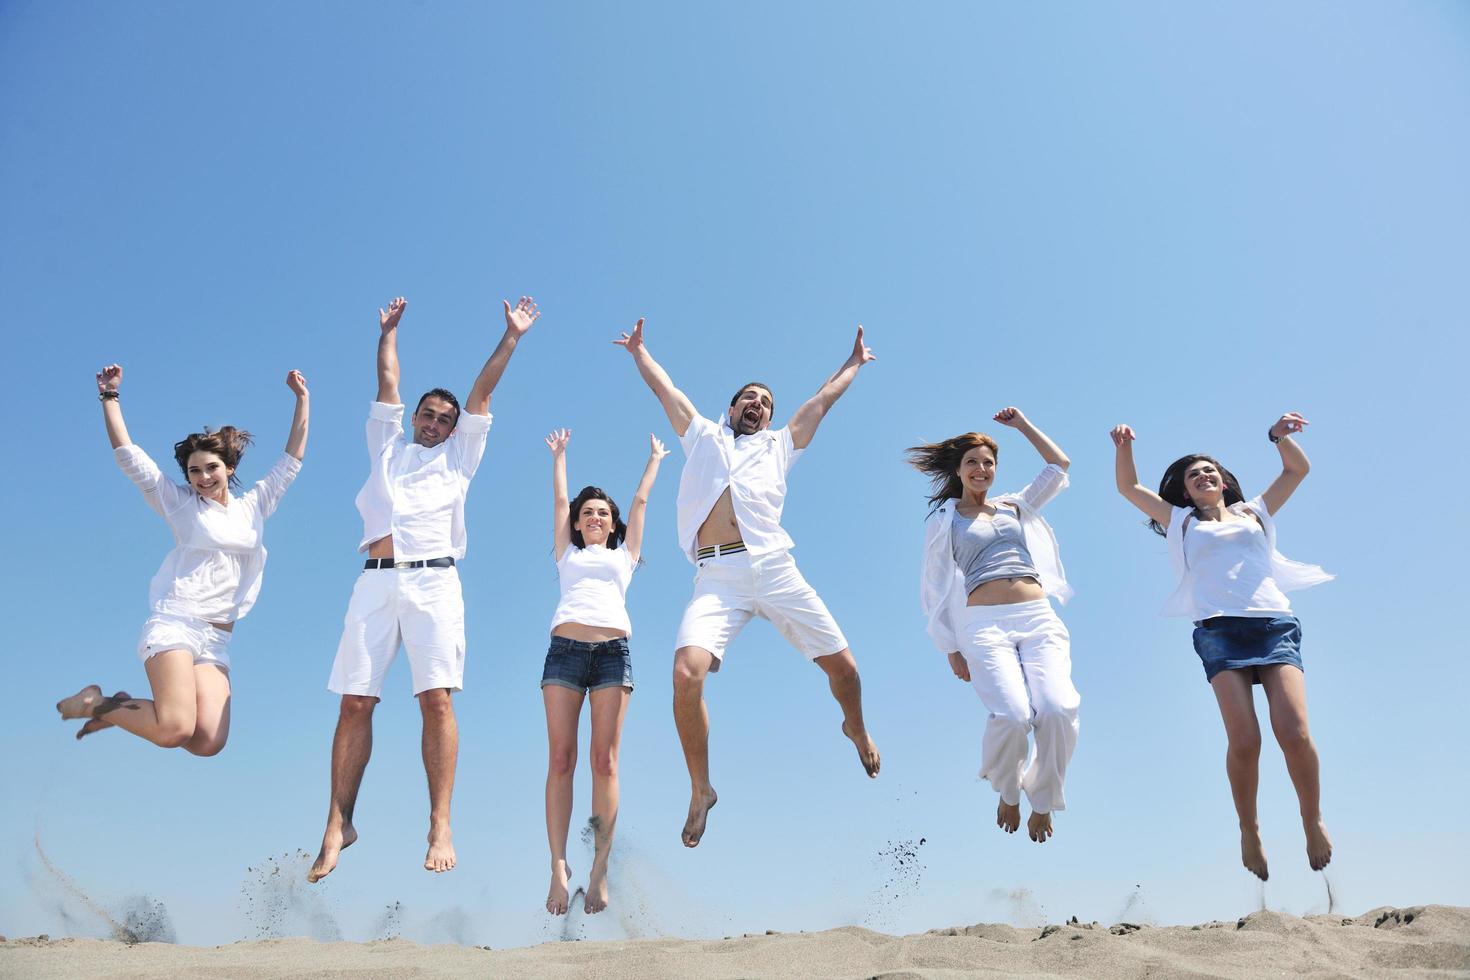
{"type": "Point", "coordinates": [562, 760]}
{"type": "Point", "coordinates": [1245, 746]}
{"type": "Point", "coordinates": [1294, 738]}
{"type": "Point", "coordinates": [1055, 714]}
{"type": "Point", "coordinates": [1012, 718]}
{"type": "Point", "coordinates": [174, 735]}
{"type": "Point", "coordinates": [206, 747]}
{"type": "Point", "coordinates": [839, 666]}
{"type": "Point", "coordinates": [357, 708]}
{"type": "Point", "coordinates": [689, 674]}
{"type": "Point", "coordinates": [437, 703]}
{"type": "Point", "coordinates": [605, 764]}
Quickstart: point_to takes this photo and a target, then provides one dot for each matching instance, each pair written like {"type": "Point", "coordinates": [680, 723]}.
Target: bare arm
{"type": "Point", "coordinates": [296, 441]}
{"type": "Point", "coordinates": [677, 406]}
{"type": "Point", "coordinates": [1049, 450]}
{"type": "Point", "coordinates": [804, 423]}
{"type": "Point", "coordinates": [639, 510]}
{"type": "Point", "coordinates": [388, 351]}
{"type": "Point", "coordinates": [561, 522]}
{"type": "Point", "coordinates": [109, 379]}
{"type": "Point", "coordinates": [518, 320]}
{"type": "Point", "coordinates": [1294, 465]}
{"type": "Point", "coordinates": [1154, 506]}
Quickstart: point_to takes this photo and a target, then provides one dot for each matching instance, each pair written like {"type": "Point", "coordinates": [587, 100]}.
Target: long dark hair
{"type": "Point", "coordinates": [941, 462]}
{"type": "Point", "coordinates": [619, 529]}
{"type": "Point", "coordinates": [1171, 487]}
{"type": "Point", "coordinates": [228, 443]}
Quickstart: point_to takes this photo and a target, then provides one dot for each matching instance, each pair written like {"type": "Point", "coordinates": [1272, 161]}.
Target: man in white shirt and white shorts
{"type": "Point", "coordinates": [408, 594]}
{"type": "Point", "coordinates": [731, 494]}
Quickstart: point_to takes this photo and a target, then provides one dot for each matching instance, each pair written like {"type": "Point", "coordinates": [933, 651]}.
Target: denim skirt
{"type": "Point", "coordinates": [1247, 642]}
{"type": "Point", "coordinates": [584, 666]}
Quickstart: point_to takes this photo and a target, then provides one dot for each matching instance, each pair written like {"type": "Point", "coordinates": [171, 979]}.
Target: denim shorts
{"type": "Point", "coordinates": [1247, 642]}
{"type": "Point", "coordinates": [584, 666]}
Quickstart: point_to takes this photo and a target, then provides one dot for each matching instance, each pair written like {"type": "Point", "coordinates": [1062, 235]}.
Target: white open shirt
{"type": "Point", "coordinates": [753, 466]}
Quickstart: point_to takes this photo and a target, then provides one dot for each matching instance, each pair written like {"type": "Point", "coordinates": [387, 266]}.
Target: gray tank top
{"type": "Point", "coordinates": [986, 550]}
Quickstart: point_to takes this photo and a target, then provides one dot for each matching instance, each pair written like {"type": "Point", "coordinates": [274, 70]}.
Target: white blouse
{"type": "Point", "coordinates": [594, 587]}
{"type": "Point", "coordinates": [942, 583]}
{"type": "Point", "coordinates": [753, 466]}
{"type": "Point", "coordinates": [215, 569]}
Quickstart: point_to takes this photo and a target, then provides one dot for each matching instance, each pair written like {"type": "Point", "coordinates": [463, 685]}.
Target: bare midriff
{"type": "Point", "coordinates": [227, 627]}
{"type": "Point", "coordinates": [588, 634]}
{"type": "Point", "coordinates": [720, 526]}
{"type": "Point", "coordinates": [1003, 591]}
{"type": "Point", "coordinates": [381, 548]}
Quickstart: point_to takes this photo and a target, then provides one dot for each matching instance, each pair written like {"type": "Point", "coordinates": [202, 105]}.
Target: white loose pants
{"type": "Point", "coordinates": [1021, 666]}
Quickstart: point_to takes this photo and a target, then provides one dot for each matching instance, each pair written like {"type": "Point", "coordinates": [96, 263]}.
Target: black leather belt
{"type": "Point", "coordinates": [390, 563]}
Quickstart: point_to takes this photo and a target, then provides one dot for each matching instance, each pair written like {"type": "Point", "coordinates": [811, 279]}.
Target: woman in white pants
{"type": "Point", "coordinates": [207, 583]}
{"type": "Point", "coordinates": [596, 554]}
{"type": "Point", "coordinates": [990, 564]}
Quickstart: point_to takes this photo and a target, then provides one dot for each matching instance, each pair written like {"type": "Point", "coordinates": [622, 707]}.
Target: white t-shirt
{"type": "Point", "coordinates": [753, 466]}
{"type": "Point", "coordinates": [215, 569]}
{"type": "Point", "coordinates": [594, 587]}
{"type": "Point", "coordinates": [1232, 570]}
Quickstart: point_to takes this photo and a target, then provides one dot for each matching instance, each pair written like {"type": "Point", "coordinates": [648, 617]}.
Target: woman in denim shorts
{"type": "Point", "coordinates": [596, 555]}
{"type": "Point", "coordinates": [1232, 584]}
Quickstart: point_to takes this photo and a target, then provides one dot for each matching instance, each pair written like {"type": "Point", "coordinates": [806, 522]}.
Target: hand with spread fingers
{"type": "Point", "coordinates": [388, 318]}
{"type": "Point", "coordinates": [518, 318]}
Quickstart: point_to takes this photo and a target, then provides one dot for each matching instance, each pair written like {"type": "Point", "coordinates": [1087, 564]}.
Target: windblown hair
{"type": "Point", "coordinates": [755, 384]}
{"type": "Point", "coordinates": [619, 529]}
{"type": "Point", "coordinates": [228, 443]}
{"type": "Point", "coordinates": [941, 462]}
{"type": "Point", "coordinates": [443, 393]}
{"type": "Point", "coordinates": [1171, 487]}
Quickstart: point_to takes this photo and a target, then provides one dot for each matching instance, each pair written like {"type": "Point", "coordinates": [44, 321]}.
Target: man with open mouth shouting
{"type": "Point", "coordinates": [730, 499]}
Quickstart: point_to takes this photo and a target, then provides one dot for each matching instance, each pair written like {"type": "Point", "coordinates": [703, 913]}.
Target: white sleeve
{"type": "Point", "coordinates": [384, 425]}
{"type": "Point", "coordinates": [699, 427]}
{"type": "Point", "coordinates": [470, 434]}
{"type": "Point", "coordinates": [1051, 481]}
{"type": "Point", "coordinates": [936, 582]}
{"type": "Point", "coordinates": [161, 493]}
{"type": "Point", "coordinates": [272, 487]}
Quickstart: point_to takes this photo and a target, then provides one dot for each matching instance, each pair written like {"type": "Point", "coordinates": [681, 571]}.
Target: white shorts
{"type": "Point", "coordinates": [164, 631]}
{"type": "Point", "coordinates": [728, 591]}
{"type": "Point", "coordinates": [420, 609]}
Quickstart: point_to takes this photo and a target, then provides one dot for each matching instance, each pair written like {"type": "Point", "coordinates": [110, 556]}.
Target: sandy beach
{"type": "Point", "coordinates": [1419, 941]}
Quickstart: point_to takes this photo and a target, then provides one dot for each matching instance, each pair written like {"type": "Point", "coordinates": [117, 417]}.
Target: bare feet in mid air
{"type": "Point", "coordinates": [556, 895]}
{"type": "Point", "coordinates": [334, 842]}
{"type": "Point", "coordinates": [699, 807]}
{"type": "Point", "coordinates": [1039, 827]}
{"type": "Point", "coordinates": [1319, 845]}
{"type": "Point", "coordinates": [441, 851]}
{"type": "Point", "coordinates": [1253, 852]}
{"type": "Point", "coordinates": [867, 751]}
{"type": "Point", "coordinates": [596, 890]}
{"type": "Point", "coordinates": [1008, 816]}
{"type": "Point", "coordinates": [81, 704]}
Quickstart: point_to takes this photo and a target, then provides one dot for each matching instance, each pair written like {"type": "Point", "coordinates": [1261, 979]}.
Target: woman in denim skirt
{"type": "Point", "coordinates": [596, 555]}
{"type": "Point", "coordinates": [1232, 584]}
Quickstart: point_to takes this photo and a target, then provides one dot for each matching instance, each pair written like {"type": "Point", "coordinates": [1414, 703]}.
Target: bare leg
{"type": "Point", "coordinates": [211, 710]}
{"type": "Point", "coordinates": [847, 688]}
{"type": "Point", "coordinates": [563, 706]}
{"type": "Point", "coordinates": [352, 745]}
{"type": "Point", "coordinates": [609, 707]}
{"type": "Point", "coordinates": [441, 752]}
{"type": "Point", "coordinates": [1242, 761]}
{"type": "Point", "coordinates": [691, 717]}
{"type": "Point", "coordinates": [1286, 691]}
{"type": "Point", "coordinates": [168, 720]}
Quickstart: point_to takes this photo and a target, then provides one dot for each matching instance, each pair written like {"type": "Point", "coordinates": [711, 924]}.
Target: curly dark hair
{"type": "Point", "coordinates": [1171, 487]}
{"type": "Point", "coordinates": [228, 443]}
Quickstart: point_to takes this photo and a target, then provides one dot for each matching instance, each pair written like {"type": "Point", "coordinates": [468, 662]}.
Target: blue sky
{"type": "Point", "coordinates": [1185, 218]}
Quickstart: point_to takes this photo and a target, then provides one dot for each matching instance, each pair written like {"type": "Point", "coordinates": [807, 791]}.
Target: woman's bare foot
{"type": "Point", "coordinates": [1253, 852]}
{"type": "Point", "coordinates": [1319, 845]}
{"type": "Point", "coordinates": [1039, 827]}
{"type": "Point", "coordinates": [334, 842]}
{"type": "Point", "coordinates": [700, 805]}
{"type": "Point", "coordinates": [556, 895]}
{"type": "Point", "coordinates": [81, 704]}
{"type": "Point", "coordinates": [1008, 816]}
{"type": "Point", "coordinates": [596, 890]}
{"type": "Point", "coordinates": [867, 751]}
{"type": "Point", "coordinates": [441, 850]}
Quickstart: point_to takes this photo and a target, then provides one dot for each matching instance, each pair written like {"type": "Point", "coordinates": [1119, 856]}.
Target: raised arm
{"type": "Point", "coordinates": [388, 351]}
{"type": "Point", "coordinates": [804, 423]}
{"type": "Point", "coordinates": [1156, 508]}
{"type": "Point", "coordinates": [1294, 465]}
{"type": "Point", "coordinates": [518, 320]}
{"type": "Point", "coordinates": [109, 379]}
{"type": "Point", "coordinates": [561, 521]}
{"type": "Point", "coordinates": [296, 441]}
{"type": "Point", "coordinates": [639, 510]}
{"type": "Point", "coordinates": [1049, 450]}
{"type": "Point", "coordinates": [677, 406]}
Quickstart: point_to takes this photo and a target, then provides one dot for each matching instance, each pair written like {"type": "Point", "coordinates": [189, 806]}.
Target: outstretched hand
{"type": "Point", "coordinates": [861, 353]}
{"type": "Point", "coordinates": [557, 441]}
{"type": "Point", "coordinates": [1121, 434]}
{"type": "Point", "coordinates": [296, 381]}
{"type": "Point", "coordinates": [518, 318]}
{"type": "Point", "coordinates": [1291, 422]}
{"type": "Point", "coordinates": [656, 450]}
{"type": "Point", "coordinates": [109, 378]}
{"type": "Point", "coordinates": [388, 319]}
{"type": "Point", "coordinates": [1011, 416]}
{"type": "Point", "coordinates": [632, 342]}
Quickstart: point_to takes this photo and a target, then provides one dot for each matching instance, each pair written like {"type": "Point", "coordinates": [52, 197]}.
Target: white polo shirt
{"type": "Point", "coordinates": [215, 569]}
{"type": "Point", "coordinates": [416, 493]}
{"type": "Point", "coordinates": [754, 467]}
